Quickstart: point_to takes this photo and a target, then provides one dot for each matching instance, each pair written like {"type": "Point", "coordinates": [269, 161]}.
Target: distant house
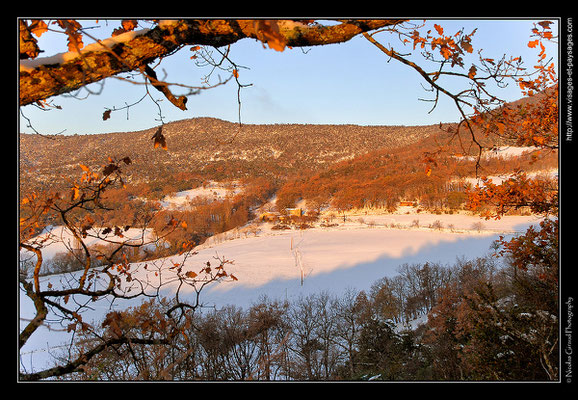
{"type": "Point", "coordinates": [269, 217]}
{"type": "Point", "coordinates": [276, 216]}
{"type": "Point", "coordinates": [294, 211]}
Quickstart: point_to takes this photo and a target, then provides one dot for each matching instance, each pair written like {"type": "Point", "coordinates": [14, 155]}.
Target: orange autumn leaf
{"type": "Point", "coordinates": [446, 52]}
{"type": "Point", "coordinates": [191, 274]}
{"type": "Point", "coordinates": [38, 27]}
{"type": "Point", "coordinates": [72, 29]}
{"type": "Point", "coordinates": [127, 25]}
{"type": "Point", "coordinates": [467, 46]}
{"type": "Point", "coordinates": [267, 31]}
{"type": "Point", "coordinates": [75, 193]}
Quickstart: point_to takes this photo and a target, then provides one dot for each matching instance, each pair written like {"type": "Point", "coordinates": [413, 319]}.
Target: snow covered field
{"type": "Point", "coordinates": [286, 264]}
{"type": "Point", "coordinates": [291, 263]}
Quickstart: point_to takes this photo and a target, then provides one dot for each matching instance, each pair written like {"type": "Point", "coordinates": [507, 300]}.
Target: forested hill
{"type": "Point", "coordinates": [209, 148]}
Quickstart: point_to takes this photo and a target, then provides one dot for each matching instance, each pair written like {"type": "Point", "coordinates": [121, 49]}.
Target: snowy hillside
{"type": "Point", "coordinates": [214, 191]}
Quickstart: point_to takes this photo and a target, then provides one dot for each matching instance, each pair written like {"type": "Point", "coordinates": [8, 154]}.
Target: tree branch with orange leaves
{"type": "Point", "coordinates": [133, 50]}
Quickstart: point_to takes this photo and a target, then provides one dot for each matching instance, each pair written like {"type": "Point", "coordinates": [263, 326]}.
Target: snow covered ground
{"type": "Point", "coordinates": [504, 152]}
{"type": "Point", "coordinates": [291, 263]}
{"type": "Point", "coordinates": [498, 180]}
{"type": "Point", "coordinates": [285, 264]}
{"type": "Point", "coordinates": [214, 191]}
{"type": "Point", "coordinates": [508, 152]}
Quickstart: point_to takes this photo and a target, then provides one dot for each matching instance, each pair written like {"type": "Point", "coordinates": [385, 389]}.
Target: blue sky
{"type": "Point", "coordinates": [350, 83]}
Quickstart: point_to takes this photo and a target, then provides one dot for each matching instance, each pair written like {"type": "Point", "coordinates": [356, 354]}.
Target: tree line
{"type": "Point", "coordinates": [383, 178]}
